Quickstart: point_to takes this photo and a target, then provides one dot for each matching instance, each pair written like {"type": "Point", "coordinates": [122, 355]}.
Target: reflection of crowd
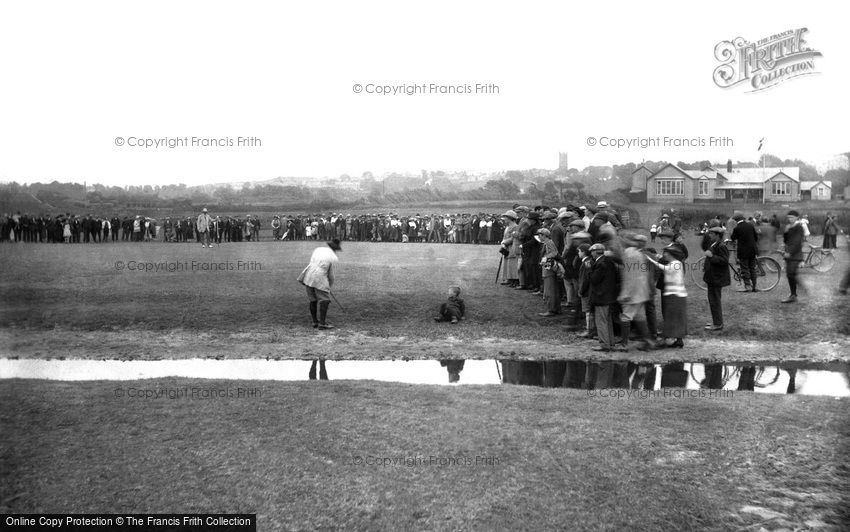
{"type": "Point", "coordinates": [464, 228]}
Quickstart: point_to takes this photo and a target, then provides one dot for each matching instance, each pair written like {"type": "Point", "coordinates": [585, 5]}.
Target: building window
{"type": "Point", "coordinates": [821, 192]}
{"type": "Point", "coordinates": [670, 187]}
{"type": "Point", "coordinates": [781, 189]}
{"type": "Point", "coordinates": [703, 188]}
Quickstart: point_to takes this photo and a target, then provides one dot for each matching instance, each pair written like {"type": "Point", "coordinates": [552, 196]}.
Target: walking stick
{"type": "Point", "coordinates": [336, 301]}
{"type": "Point", "coordinates": [501, 258]}
{"type": "Point", "coordinates": [498, 371]}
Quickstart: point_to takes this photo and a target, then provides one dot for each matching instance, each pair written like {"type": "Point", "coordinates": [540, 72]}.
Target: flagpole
{"type": "Point", "coordinates": [763, 192]}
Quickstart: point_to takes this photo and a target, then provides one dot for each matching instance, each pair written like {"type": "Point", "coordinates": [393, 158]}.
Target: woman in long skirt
{"type": "Point", "coordinates": [552, 274]}
{"type": "Point", "coordinates": [510, 243]}
{"type": "Point", "coordinates": [674, 297]}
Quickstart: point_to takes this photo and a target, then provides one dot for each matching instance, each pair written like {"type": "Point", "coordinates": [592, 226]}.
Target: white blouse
{"type": "Point", "coordinates": [674, 279]}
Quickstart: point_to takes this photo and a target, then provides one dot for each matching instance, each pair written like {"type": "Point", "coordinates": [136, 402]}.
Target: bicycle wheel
{"type": "Point", "coordinates": [825, 261]}
{"type": "Point", "coordinates": [766, 376]}
{"type": "Point", "coordinates": [696, 273]}
{"type": "Point", "coordinates": [769, 273]}
{"type": "Point", "coordinates": [701, 379]}
{"type": "Point", "coordinates": [814, 259]}
{"type": "Point", "coordinates": [778, 258]}
{"type": "Point", "coordinates": [696, 379]}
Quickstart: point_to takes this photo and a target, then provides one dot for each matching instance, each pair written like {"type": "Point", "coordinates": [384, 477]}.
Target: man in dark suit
{"type": "Point", "coordinates": [747, 239]}
{"type": "Point", "coordinates": [86, 225]}
{"type": "Point", "coordinates": [793, 239]}
{"type": "Point", "coordinates": [604, 288]}
{"type": "Point", "coordinates": [115, 222]}
{"type": "Point", "coordinates": [716, 276]}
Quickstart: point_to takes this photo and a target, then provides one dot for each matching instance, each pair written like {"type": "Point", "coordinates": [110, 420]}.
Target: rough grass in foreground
{"type": "Point", "coordinates": [565, 460]}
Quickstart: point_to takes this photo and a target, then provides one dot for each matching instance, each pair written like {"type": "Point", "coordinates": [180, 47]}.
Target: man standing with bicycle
{"type": "Point", "coordinates": [744, 234]}
{"type": "Point", "coordinates": [793, 239]}
{"type": "Point", "coordinates": [716, 276]}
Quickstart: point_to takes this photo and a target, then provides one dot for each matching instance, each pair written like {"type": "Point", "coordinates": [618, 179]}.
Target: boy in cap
{"type": "Point", "coordinates": [793, 238]}
{"type": "Point", "coordinates": [584, 290]}
{"type": "Point", "coordinates": [453, 309]}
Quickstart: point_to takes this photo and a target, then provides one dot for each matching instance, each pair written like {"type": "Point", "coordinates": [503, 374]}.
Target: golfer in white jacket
{"type": "Point", "coordinates": [318, 277]}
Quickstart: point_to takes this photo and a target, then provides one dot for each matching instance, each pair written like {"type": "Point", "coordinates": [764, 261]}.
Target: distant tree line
{"type": "Point", "coordinates": [534, 185]}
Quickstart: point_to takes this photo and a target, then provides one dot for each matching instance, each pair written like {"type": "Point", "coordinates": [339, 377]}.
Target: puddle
{"type": "Point", "coordinates": [799, 378]}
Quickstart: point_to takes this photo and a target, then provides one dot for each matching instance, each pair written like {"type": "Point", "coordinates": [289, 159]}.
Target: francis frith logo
{"type": "Point", "coordinates": [765, 63]}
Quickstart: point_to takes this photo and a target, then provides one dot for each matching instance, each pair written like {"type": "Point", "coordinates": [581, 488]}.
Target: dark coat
{"type": "Point", "coordinates": [716, 268]}
{"type": "Point", "coordinates": [604, 282]}
{"type": "Point", "coordinates": [456, 304]}
{"type": "Point", "coordinates": [557, 235]}
{"type": "Point", "coordinates": [527, 229]}
{"type": "Point", "coordinates": [793, 239]}
{"type": "Point", "coordinates": [747, 238]}
{"type": "Point", "coordinates": [571, 262]}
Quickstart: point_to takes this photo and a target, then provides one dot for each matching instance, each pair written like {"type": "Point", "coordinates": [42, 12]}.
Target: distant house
{"type": "Point", "coordinates": [816, 190]}
{"type": "Point", "coordinates": [734, 185]}
{"type": "Point", "coordinates": [639, 177]}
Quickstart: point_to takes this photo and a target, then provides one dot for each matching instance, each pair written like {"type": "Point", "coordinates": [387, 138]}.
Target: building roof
{"type": "Point", "coordinates": [808, 185]}
{"type": "Point", "coordinates": [751, 176]}
{"type": "Point", "coordinates": [708, 173]}
{"type": "Point", "coordinates": [759, 175]}
{"type": "Point", "coordinates": [666, 166]}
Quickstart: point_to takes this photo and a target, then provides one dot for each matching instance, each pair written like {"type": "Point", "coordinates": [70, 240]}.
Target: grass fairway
{"type": "Point", "coordinates": [73, 301]}
{"type": "Point", "coordinates": [558, 458]}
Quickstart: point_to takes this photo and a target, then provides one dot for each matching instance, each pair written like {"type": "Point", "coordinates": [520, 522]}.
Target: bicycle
{"type": "Point", "coordinates": [765, 376]}
{"type": "Point", "coordinates": [768, 273]}
{"type": "Point", "coordinates": [819, 259]}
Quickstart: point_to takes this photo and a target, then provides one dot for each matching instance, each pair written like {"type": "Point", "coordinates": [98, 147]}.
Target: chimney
{"type": "Point", "coordinates": [729, 166]}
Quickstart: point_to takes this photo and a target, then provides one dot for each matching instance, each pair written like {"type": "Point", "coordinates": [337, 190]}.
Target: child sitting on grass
{"type": "Point", "coordinates": [453, 309]}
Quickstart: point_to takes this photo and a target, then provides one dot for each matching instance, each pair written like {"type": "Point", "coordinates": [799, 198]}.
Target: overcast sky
{"type": "Point", "coordinates": [77, 75]}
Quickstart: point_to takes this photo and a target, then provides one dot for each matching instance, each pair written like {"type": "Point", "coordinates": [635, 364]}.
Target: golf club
{"type": "Point", "coordinates": [336, 301]}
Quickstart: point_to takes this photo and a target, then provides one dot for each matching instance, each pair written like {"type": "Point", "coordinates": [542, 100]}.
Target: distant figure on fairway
{"type": "Point", "coordinates": [453, 309]}
{"type": "Point", "coordinates": [318, 277]}
{"type": "Point", "coordinates": [203, 227]}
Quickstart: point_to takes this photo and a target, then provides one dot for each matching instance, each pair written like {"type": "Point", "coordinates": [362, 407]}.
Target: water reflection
{"type": "Point", "coordinates": [323, 372]}
{"type": "Point", "coordinates": [793, 377]}
{"type": "Point", "coordinates": [801, 378]}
